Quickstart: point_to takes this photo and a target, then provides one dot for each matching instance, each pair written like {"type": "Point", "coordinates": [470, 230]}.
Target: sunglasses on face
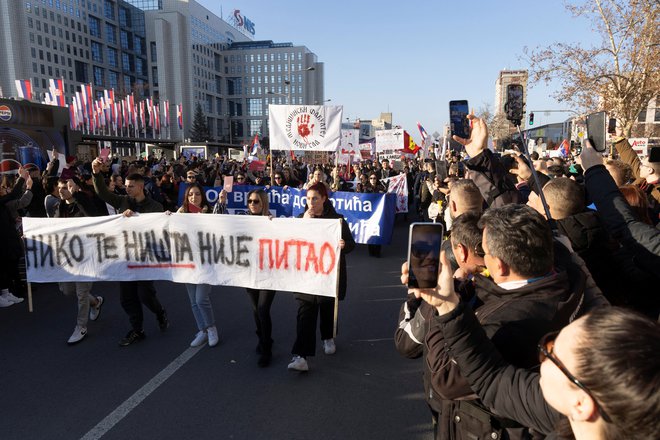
{"type": "Point", "coordinates": [421, 249]}
{"type": "Point", "coordinates": [546, 347]}
{"type": "Point", "coordinates": [253, 201]}
{"type": "Point", "coordinates": [240, 179]}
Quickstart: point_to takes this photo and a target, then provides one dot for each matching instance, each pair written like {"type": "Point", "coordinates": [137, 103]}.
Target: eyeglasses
{"type": "Point", "coordinates": [421, 249]}
{"type": "Point", "coordinates": [479, 250]}
{"type": "Point", "coordinates": [253, 201]}
{"type": "Point", "coordinates": [545, 347]}
{"type": "Point", "coordinates": [190, 177]}
{"type": "Point", "coordinates": [278, 177]}
{"type": "Point", "coordinates": [240, 179]}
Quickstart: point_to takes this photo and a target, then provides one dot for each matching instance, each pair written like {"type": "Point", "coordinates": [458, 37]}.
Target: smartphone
{"type": "Point", "coordinates": [458, 121]}
{"type": "Point", "coordinates": [611, 126]}
{"type": "Point", "coordinates": [596, 131]}
{"type": "Point", "coordinates": [424, 243]}
{"type": "Point", "coordinates": [514, 102]}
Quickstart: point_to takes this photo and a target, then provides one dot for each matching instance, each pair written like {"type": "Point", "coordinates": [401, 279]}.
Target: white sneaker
{"type": "Point", "coordinates": [95, 311]}
{"type": "Point", "coordinates": [213, 336]}
{"type": "Point", "coordinates": [200, 339]}
{"type": "Point", "coordinates": [10, 297]}
{"type": "Point", "coordinates": [4, 302]}
{"type": "Point", "coordinates": [329, 346]}
{"type": "Point", "coordinates": [299, 364]}
{"type": "Point", "coordinates": [78, 334]}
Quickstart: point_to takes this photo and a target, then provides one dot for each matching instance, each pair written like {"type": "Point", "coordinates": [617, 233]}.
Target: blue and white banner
{"type": "Point", "coordinates": [370, 216]}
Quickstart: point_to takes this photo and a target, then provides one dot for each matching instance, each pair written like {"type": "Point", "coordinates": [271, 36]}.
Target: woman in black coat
{"type": "Point", "coordinates": [309, 306]}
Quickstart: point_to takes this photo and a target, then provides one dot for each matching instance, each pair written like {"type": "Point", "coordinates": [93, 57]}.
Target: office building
{"type": "Point", "coordinates": [82, 41]}
{"type": "Point", "coordinates": [197, 57]}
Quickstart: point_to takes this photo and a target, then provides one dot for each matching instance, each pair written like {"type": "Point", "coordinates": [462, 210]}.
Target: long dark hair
{"type": "Point", "coordinates": [205, 203]}
{"type": "Point", "coordinates": [264, 200]}
{"type": "Point", "coordinates": [618, 359]}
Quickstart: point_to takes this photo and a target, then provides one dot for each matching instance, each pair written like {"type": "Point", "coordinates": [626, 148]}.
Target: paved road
{"type": "Point", "coordinates": [162, 389]}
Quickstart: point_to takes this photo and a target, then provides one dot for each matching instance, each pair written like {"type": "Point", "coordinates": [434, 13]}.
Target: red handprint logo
{"type": "Point", "coordinates": [304, 129]}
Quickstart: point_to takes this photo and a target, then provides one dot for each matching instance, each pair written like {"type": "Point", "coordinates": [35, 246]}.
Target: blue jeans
{"type": "Point", "coordinates": [201, 304]}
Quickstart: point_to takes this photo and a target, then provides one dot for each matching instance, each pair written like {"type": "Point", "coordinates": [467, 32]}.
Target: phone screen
{"type": "Point", "coordinates": [460, 125]}
{"type": "Point", "coordinates": [424, 245]}
{"type": "Point", "coordinates": [514, 102]}
{"type": "Point", "coordinates": [596, 130]}
{"type": "Point", "coordinates": [611, 126]}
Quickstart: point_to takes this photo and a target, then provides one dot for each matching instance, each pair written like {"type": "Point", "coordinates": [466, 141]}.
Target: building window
{"type": "Point", "coordinates": [113, 61]}
{"type": "Point", "coordinates": [254, 126]}
{"type": "Point", "coordinates": [94, 27]}
{"type": "Point", "coordinates": [97, 54]}
{"type": "Point", "coordinates": [124, 39]}
{"type": "Point", "coordinates": [128, 83]}
{"type": "Point", "coordinates": [110, 33]}
{"type": "Point", "coordinates": [109, 9]}
{"type": "Point", "coordinates": [154, 76]}
{"type": "Point", "coordinates": [124, 17]}
{"type": "Point", "coordinates": [642, 116]}
{"type": "Point", "coordinates": [98, 76]}
{"type": "Point", "coordinates": [255, 107]}
{"type": "Point", "coordinates": [113, 79]}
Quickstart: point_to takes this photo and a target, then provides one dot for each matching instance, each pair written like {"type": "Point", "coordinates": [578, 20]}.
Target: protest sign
{"type": "Point", "coordinates": [389, 140]}
{"type": "Point", "coordinates": [370, 216]}
{"type": "Point", "coordinates": [304, 127]}
{"type": "Point", "coordinates": [399, 185]}
{"type": "Point", "coordinates": [300, 255]}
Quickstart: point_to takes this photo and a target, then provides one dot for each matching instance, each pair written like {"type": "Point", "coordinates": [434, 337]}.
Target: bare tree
{"type": "Point", "coordinates": [498, 126]}
{"type": "Point", "coordinates": [622, 74]}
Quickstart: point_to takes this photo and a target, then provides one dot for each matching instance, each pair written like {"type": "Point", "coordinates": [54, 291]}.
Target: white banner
{"type": "Point", "coordinates": [304, 127]}
{"type": "Point", "coordinates": [285, 254]}
{"type": "Point", "coordinates": [349, 147]}
{"type": "Point", "coordinates": [389, 140]}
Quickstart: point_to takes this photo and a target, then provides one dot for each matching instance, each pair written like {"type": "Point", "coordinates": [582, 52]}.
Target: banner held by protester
{"type": "Point", "coordinates": [300, 255]}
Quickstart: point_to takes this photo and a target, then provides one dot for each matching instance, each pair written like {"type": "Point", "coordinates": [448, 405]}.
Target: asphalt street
{"type": "Point", "coordinates": [161, 388]}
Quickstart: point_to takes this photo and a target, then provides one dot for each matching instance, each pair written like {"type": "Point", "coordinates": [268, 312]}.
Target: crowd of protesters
{"type": "Point", "coordinates": [566, 246]}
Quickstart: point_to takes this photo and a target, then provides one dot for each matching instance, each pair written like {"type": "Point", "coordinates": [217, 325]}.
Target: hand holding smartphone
{"type": "Point", "coordinates": [596, 131]}
{"type": "Point", "coordinates": [424, 244]}
{"type": "Point", "coordinates": [458, 121]}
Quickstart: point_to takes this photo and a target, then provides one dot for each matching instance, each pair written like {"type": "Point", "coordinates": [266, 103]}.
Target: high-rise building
{"type": "Point", "coordinates": [262, 73]}
{"type": "Point", "coordinates": [95, 41]}
{"type": "Point", "coordinates": [197, 57]}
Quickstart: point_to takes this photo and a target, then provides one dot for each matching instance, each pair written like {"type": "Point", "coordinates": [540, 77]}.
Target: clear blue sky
{"type": "Point", "coordinates": [412, 59]}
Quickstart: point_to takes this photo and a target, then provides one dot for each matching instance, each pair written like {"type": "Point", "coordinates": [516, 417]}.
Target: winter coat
{"type": "Point", "coordinates": [349, 245]}
{"type": "Point", "coordinates": [12, 245]}
{"type": "Point", "coordinates": [642, 240]}
{"type": "Point", "coordinates": [122, 203]}
{"type": "Point", "coordinates": [514, 320]}
{"type": "Point", "coordinates": [492, 179]}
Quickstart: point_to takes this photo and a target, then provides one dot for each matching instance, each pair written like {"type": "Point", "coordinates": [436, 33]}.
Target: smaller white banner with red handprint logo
{"type": "Point", "coordinates": [304, 127]}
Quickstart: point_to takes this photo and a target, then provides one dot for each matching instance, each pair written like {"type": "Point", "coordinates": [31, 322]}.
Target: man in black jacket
{"type": "Point", "coordinates": [131, 293]}
{"type": "Point", "coordinates": [535, 286]}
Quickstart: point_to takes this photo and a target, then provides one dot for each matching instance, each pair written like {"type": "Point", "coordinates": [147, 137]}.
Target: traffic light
{"type": "Point", "coordinates": [531, 118]}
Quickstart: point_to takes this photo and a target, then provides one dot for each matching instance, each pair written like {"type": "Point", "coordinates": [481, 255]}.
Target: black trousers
{"type": "Point", "coordinates": [132, 294]}
{"type": "Point", "coordinates": [261, 301]}
{"type": "Point", "coordinates": [309, 307]}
